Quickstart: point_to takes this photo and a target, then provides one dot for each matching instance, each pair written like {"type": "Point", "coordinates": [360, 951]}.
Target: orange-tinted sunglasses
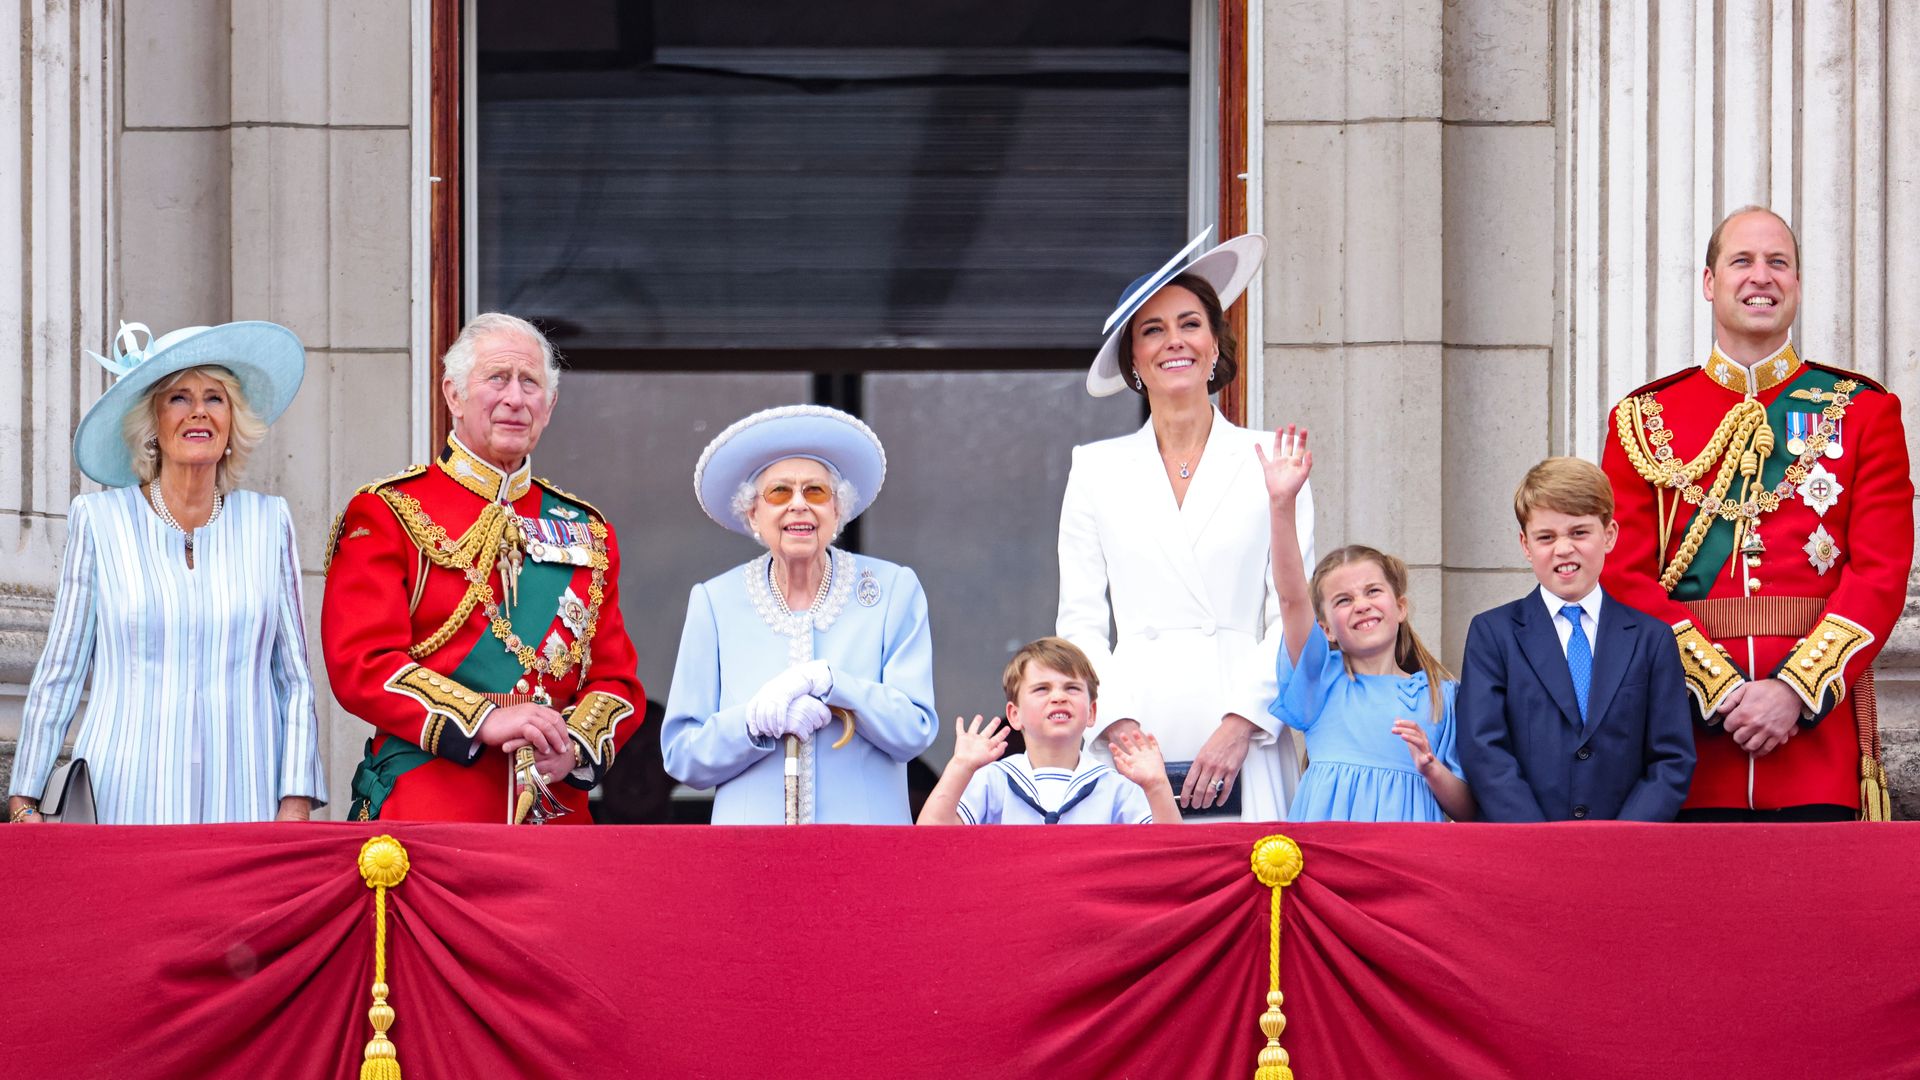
{"type": "Point", "coordinates": [816, 493]}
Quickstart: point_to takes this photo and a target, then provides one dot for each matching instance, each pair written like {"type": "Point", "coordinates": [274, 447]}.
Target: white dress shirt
{"type": "Point", "coordinates": [1589, 616]}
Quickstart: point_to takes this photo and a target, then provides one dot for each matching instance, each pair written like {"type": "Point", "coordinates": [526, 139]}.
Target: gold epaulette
{"type": "Point", "coordinates": [340, 519]}
{"type": "Point", "coordinates": [407, 473]}
{"type": "Point", "coordinates": [1867, 381]}
{"type": "Point", "coordinates": [569, 496]}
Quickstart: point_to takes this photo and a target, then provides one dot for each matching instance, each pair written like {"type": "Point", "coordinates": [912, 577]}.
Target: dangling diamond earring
{"type": "Point", "coordinates": [1137, 384]}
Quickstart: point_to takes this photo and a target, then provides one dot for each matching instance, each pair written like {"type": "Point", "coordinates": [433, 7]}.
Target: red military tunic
{"type": "Point", "coordinates": [411, 649]}
{"type": "Point", "coordinates": [1801, 572]}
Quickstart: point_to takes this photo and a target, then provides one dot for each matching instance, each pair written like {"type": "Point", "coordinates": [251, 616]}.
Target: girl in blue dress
{"type": "Point", "coordinates": [1375, 706]}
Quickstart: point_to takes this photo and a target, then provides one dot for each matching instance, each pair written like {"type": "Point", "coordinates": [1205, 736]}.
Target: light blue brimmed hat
{"type": "Point", "coordinates": [266, 358]}
{"type": "Point", "coordinates": [749, 445]}
{"type": "Point", "coordinates": [1228, 267]}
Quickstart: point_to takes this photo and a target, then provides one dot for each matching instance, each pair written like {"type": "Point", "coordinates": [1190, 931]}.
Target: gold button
{"type": "Point", "coordinates": [1806, 663]}
{"type": "Point", "coordinates": [1753, 583]}
{"type": "Point", "coordinates": [1830, 636]}
{"type": "Point", "coordinates": [1753, 560]}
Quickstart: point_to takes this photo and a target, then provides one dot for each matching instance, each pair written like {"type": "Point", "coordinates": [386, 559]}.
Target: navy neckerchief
{"type": "Point", "coordinates": [1053, 816]}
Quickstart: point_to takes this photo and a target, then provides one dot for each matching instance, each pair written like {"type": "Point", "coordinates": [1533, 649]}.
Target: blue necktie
{"type": "Point", "coordinates": [1579, 658]}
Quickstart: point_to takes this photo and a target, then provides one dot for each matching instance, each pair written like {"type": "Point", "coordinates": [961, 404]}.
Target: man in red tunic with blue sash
{"type": "Point", "coordinates": [472, 612]}
{"type": "Point", "coordinates": [1766, 513]}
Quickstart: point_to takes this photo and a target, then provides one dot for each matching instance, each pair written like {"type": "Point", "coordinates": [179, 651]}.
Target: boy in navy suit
{"type": "Point", "coordinates": [1572, 705]}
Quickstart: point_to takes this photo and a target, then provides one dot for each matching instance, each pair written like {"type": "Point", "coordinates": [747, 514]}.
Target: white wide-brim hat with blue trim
{"type": "Point", "coordinates": [829, 436]}
{"type": "Point", "coordinates": [1228, 267]}
{"type": "Point", "coordinates": [266, 358]}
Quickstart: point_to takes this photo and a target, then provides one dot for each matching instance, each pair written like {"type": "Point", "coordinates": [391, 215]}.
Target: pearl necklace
{"type": "Point", "coordinates": [819, 596]}
{"type": "Point", "coordinates": [166, 515]}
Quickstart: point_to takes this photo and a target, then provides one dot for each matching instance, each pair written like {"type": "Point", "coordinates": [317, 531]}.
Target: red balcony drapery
{"type": "Point", "coordinates": [1590, 950]}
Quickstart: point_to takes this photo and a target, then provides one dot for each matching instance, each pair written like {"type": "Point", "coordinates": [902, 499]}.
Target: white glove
{"type": "Point", "coordinates": [818, 675]}
{"type": "Point", "coordinates": [805, 716]}
{"type": "Point", "coordinates": [767, 710]}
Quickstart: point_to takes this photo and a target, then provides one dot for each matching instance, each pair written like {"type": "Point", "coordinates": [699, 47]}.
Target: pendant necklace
{"type": "Point", "coordinates": [1184, 474]}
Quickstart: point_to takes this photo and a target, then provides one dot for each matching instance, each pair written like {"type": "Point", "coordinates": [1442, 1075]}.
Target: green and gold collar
{"type": "Point", "coordinates": [475, 474]}
{"type": "Point", "coordinates": [1759, 378]}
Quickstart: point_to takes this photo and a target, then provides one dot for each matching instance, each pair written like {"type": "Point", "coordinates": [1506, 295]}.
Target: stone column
{"type": "Point", "coordinates": [1408, 189]}
{"type": "Point", "coordinates": [55, 119]}
{"type": "Point", "coordinates": [1670, 115]}
{"type": "Point", "coordinates": [263, 164]}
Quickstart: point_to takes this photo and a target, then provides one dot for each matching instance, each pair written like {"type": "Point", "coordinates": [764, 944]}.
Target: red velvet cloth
{"type": "Point", "coordinates": [1577, 950]}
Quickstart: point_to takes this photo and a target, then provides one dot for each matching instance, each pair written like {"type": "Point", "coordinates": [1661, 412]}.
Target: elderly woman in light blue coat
{"type": "Point", "coordinates": [806, 641]}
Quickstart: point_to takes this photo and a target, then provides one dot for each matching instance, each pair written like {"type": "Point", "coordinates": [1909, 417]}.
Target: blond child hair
{"type": "Point", "coordinates": [1057, 653]}
{"type": "Point", "coordinates": [1409, 651]}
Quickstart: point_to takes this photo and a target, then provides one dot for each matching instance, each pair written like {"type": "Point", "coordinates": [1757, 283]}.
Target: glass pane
{"type": "Point", "coordinates": [627, 443]}
{"type": "Point", "coordinates": [853, 175]}
{"type": "Point", "coordinates": [977, 462]}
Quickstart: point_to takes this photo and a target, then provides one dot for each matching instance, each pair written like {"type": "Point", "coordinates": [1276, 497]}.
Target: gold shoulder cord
{"type": "Point", "coordinates": [472, 555]}
{"type": "Point", "coordinates": [476, 548]}
{"type": "Point", "coordinates": [1741, 445]}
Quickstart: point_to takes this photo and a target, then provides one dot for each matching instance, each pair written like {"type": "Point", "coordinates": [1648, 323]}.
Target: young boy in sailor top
{"type": "Point", "coordinates": [1051, 691]}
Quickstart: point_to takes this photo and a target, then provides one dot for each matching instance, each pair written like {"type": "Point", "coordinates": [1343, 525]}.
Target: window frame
{"type": "Point", "coordinates": [452, 247]}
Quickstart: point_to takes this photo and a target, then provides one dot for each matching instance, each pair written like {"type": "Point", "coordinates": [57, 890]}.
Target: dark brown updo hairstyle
{"type": "Point", "coordinates": [1223, 372]}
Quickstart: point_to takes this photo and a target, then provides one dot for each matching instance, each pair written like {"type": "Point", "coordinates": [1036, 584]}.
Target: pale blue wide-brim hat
{"type": "Point", "coordinates": [749, 445]}
{"type": "Point", "coordinates": [1228, 267]}
{"type": "Point", "coordinates": [266, 358]}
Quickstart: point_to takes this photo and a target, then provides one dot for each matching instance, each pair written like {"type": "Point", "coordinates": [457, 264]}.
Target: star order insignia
{"type": "Point", "coordinates": [1821, 551]}
{"type": "Point", "coordinates": [1821, 489]}
{"type": "Point", "coordinates": [573, 612]}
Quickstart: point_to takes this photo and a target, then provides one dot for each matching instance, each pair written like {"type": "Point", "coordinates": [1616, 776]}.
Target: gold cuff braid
{"type": "Point", "coordinates": [1710, 674]}
{"type": "Point", "coordinates": [593, 721]}
{"type": "Point", "coordinates": [443, 699]}
{"type": "Point", "coordinates": [1818, 663]}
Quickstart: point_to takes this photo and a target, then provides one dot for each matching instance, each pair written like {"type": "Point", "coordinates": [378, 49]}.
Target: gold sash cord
{"type": "Point", "coordinates": [1276, 862]}
{"type": "Point", "coordinates": [383, 865]}
{"type": "Point", "coordinates": [1796, 616]}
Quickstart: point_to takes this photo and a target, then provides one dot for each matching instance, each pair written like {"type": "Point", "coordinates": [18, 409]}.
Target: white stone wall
{"type": "Point", "coordinates": [56, 127]}
{"type": "Point", "coordinates": [1673, 114]}
{"type": "Point", "coordinates": [1488, 221]}
{"type": "Point", "coordinates": [1409, 186]}
{"type": "Point", "coordinates": [263, 161]}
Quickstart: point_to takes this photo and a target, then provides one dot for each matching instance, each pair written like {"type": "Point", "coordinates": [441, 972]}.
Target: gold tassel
{"type": "Point", "coordinates": [1276, 862]}
{"type": "Point", "coordinates": [383, 864]}
{"type": "Point", "coordinates": [1875, 803]}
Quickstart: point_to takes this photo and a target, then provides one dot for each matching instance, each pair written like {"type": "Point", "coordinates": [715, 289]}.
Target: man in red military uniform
{"type": "Point", "coordinates": [472, 612]}
{"type": "Point", "coordinates": [1766, 513]}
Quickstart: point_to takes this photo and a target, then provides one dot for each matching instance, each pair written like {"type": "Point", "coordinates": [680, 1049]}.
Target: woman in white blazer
{"type": "Point", "coordinates": [1164, 537]}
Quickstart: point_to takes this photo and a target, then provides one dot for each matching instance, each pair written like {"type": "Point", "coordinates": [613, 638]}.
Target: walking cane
{"type": "Point", "coordinates": [793, 779]}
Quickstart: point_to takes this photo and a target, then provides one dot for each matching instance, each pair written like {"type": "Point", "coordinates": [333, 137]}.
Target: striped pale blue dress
{"type": "Point", "coordinates": [202, 709]}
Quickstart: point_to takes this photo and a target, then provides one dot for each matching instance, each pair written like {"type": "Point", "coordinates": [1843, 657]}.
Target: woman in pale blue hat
{"type": "Point", "coordinates": [807, 661]}
{"type": "Point", "coordinates": [181, 594]}
{"type": "Point", "coordinates": [1164, 538]}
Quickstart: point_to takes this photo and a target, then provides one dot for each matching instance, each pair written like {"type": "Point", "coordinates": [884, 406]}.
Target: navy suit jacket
{"type": "Point", "coordinates": [1526, 753]}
